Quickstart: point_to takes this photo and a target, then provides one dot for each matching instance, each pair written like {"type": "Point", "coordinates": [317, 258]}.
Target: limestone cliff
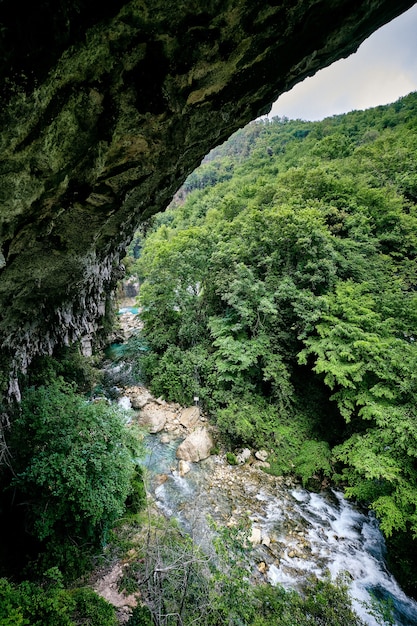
{"type": "Point", "coordinates": [105, 111]}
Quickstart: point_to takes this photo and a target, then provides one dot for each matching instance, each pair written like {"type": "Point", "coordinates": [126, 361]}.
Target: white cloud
{"type": "Point", "coordinates": [382, 70]}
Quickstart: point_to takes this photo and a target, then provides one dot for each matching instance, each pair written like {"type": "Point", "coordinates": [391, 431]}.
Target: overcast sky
{"type": "Point", "coordinates": [382, 70]}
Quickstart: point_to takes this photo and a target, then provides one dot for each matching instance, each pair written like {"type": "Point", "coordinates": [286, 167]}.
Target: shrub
{"type": "Point", "coordinates": [49, 604]}
{"type": "Point", "coordinates": [73, 463]}
{"type": "Point", "coordinates": [231, 458]}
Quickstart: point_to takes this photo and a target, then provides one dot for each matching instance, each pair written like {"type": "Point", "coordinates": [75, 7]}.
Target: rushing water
{"type": "Point", "coordinates": [302, 533]}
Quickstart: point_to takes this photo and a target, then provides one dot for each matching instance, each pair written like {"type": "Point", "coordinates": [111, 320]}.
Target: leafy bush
{"type": "Point", "coordinates": [322, 602]}
{"type": "Point", "coordinates": [90, 609]}
{"type": "Point", "coordinates": [73, 463]}
{"type": "Point", "coordinates": [141, 616]}
{"type": "Point", "coordinates": [49, 604]}
{"type": "Point", "coordinates": [231, 458]}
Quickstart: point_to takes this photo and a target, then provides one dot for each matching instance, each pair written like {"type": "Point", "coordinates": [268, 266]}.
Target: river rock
{"type": "Point", "coordinates": [139, 396]}
{"type": "Point", "coordinates": [153, 418]}
{"type": "Point", "coordinates": [196, 446]}
{"type": "Point", "coordinates": [183, 467]}
{"type": "Point", "coordinates": [189, 417]}
{"type": "Point", "coordinates": [160, 479]}
{"type": "Point", "coordinates": [262, 464]}
{"type": "Point", "coordinates": [256, 536]}
{"type": "Point", "coordinates": [261, 455]}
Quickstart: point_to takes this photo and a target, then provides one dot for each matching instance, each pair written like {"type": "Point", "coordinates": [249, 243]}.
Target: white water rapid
{"type": "Point", "coordinates": [299, 533]}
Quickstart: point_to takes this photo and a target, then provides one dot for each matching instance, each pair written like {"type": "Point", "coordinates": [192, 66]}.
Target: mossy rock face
{"type": "Point", "coordinates": [106, 108]}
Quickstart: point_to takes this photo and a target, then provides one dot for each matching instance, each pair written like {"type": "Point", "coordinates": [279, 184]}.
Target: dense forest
{"type": "Point", "coordinates": [282, 293]}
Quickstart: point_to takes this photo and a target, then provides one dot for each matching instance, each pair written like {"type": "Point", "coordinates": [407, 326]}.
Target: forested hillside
{"type": "Point", "coordinates": [282, 292]}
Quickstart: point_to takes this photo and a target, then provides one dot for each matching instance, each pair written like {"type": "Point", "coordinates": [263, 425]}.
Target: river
{"type": "Point", "coordinates": [297, 533]}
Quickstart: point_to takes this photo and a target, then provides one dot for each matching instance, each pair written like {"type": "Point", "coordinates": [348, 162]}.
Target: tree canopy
{"type": "Point", "coordinates": [282, 292]}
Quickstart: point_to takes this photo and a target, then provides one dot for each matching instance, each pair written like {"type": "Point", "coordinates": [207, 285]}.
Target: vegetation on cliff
{"type": "Point", "coordinates": [283, 294]}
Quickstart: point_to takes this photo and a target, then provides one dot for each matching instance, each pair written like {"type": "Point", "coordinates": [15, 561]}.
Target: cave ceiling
{"type": "Point", "coordinates": [106, 108]}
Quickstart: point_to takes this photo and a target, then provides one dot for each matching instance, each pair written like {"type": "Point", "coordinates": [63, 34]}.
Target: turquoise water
{"type": "Point", "coordinates": [115, 351]}
{"type": "Point", "coordinates": [128, 309]}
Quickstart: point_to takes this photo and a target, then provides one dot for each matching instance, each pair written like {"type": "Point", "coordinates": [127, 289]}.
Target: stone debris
{"type": "Point", "coordinates": [243, 456]}
{"type": "Point", "coordinates": [139, 396]}
{"type": "Point", "coordinates": [256, 536]}
{"type": "Point", "coordinates": [262, 464]}
{"type": "Point", "coordinates": [107, 586]}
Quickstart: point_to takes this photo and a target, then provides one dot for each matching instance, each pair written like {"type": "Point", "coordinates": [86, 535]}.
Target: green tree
{"type": "Point", "coordinates": [73, 462]}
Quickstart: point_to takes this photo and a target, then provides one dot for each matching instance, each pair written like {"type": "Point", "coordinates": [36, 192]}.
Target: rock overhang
{"type": "Point", "coordinates": [106, 110]}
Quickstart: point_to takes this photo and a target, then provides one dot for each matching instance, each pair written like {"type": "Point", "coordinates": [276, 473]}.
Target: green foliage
{"type": "Point", "coordinates": [291, 265]}
{"type": "Point", "coordinates": [73, 463]}
{"type": "Point", "coordinates": [30, 604]}
{"type": "Point", "coordinates": [314, 458]}
{"type": "Point", "coordinates": [141, 616]}
{"type": "Point", "coordinates": [90, 609]}
{"type": "Point", "coordinates": [69, 364]}
{"type": "Point", "coordinates": [137, 497]}
{"type": "Point", "coordinates": [323, 602]}
{"type": "Point", "coordinates": [231, 458]}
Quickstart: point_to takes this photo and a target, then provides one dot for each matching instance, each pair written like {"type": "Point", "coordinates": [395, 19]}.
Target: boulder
{"type": "Point", "coordinates": [153, 418]}
{"type": "Point", "coordinates": [139, 396]}
{"type": "Point", "coordinates": [262, 464]}
{"type": "Point", "coordinates": [190, 417]}
{"type": "Point", "coordinates": [256, 536]}
{"type": "Point", "coordinates": [196, 446]}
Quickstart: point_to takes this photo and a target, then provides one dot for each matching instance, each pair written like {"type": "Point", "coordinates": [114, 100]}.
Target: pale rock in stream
{"type": "Point", "coordinates": [153, 417]}
{"type": "Point", "coordinates": [183, 467]}
{"type": "Point", "coordinates": [262, 464]}
{"type": "Point", "coordinates": [196, 446]}
{"type": "Point", "coordinates": [256, 536]}
{"type": "Point", "coordinates": [139, 396]}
